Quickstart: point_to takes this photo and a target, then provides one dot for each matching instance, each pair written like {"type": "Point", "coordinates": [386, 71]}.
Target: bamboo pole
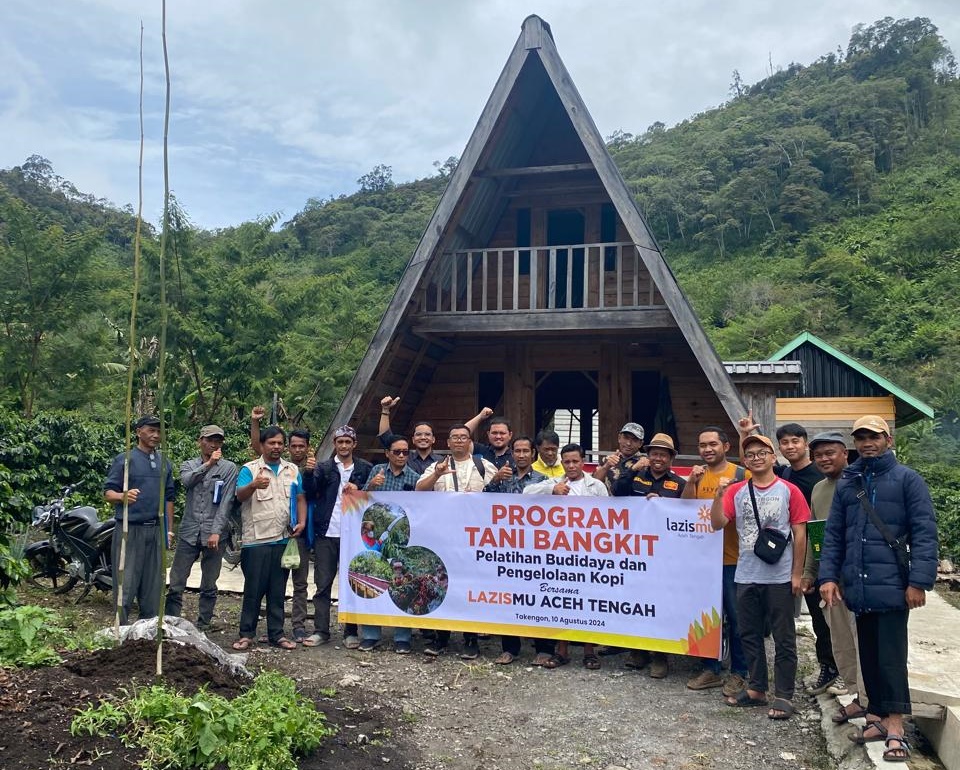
{"type": "Point", "coordinates": [131, 352]}
{"type": "Point", "coordinates": [163, 336]}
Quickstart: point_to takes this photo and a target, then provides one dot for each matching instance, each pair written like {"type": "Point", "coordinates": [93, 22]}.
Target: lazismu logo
{"type": "Point", "coordinates": [703, 525]}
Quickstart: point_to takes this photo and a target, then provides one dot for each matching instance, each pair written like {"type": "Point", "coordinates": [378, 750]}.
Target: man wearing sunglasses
{"type": "Point", "coordinates": [392, 476]}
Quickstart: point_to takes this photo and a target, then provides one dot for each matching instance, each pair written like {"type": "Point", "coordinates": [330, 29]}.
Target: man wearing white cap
{"type": "Point", "coordinates": [881, 544]}
{"type": "Point", "coordinates": [210, 482]}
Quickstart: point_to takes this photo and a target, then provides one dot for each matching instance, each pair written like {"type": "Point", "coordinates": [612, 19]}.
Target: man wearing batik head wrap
{"type": "Point", "coordinates": [325, 487]}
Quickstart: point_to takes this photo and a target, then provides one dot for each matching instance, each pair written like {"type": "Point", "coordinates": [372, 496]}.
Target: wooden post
{"type": "Point", "coordinates": [518, 385]}
{"type": "Point", "coordinates": [613, 395]}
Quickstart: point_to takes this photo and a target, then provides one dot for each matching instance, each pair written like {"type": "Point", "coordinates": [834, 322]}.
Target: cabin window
{"type": "Point", "coordinates": [567, 227]}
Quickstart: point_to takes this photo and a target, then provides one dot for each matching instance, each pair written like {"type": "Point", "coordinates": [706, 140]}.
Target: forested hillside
{"type": "Point", "coordinates": [825, 197]}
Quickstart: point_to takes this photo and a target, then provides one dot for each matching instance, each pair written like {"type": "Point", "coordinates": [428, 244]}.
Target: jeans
{"type": "Point", "coordinates": [373, 634]}
{"type": "Point", "coordinates": [211, 559]}
{"type": "Point", "coordinates": [738, 662]}
{"type": "Point", "coordinates": [758, 603]}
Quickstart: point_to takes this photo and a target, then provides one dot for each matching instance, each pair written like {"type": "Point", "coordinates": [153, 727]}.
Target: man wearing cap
{"type": "Point", "coordinates": [149, 488]}
{"type": "Point", "coordinates": [210, 482]}
{"type": "Point", "coordinates": [325, 486]}
{"type": "Point", "coordinates": [879, 507]}
{"type": "Point", "coordinates": [765, 591]}
{"type": "Point", "coordinates": [829, 452]}
{"type": "Point", "coordinates": [617, 469]}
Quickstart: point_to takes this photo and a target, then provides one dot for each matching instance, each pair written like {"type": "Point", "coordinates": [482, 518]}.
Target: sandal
{"type": "Point", "coordinates": [242, 644]}
{"type": "Point", "coordinates": [785, 708]}
{"type": "Point", "coordinates": [284, 644]}
{"type": "Point", "coordinates": [556, 661]}
{"type": "Point", "coordinates": [843, 716]}
{"type": "Point", "coordinates": [899, 753]}
{"type": "Point", "coordinates": [505, 659]}
{"type": "Point", "coordinates": [591, 662]}
{"type": "Point", "coordinates": [541, 659]}
{"type": "Point", "coordinates": [860, 736]}
{"type": "Point", "coordinates": [744, 699]}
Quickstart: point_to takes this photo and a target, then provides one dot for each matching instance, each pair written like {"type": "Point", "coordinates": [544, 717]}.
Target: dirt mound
{"type": "Point", "coordinates": [184, 667]}
{"type": "Point", "coordinates": [37, 706]}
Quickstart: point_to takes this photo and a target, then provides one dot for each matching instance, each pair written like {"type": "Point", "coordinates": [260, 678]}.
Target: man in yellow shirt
{"type": "Point", "coordinates": [713, 445]}
{"type": "Point", "coordinates": [548, 454]}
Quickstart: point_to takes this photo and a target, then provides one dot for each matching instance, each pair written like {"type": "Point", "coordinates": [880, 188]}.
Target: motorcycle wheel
{"type": "Point", "coordinates": [49, 572]}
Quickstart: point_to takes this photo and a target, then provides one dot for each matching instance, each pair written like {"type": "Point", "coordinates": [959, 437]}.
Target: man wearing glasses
{"type": "Point", "coordinates": [460, 472]}
{"type": "Point", "coordinates": [422, 456]}
{"type": "Point", "coordinates": [391, 476]}
{"type": "Point", "coordinates": [149, 480]}
{"type": "Point", "coordinates": [765, 590]}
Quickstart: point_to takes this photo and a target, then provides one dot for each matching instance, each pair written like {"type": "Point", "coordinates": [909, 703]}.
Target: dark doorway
{"type": "Point", "coordinates": [566, 227]}
{"type": "Point", "coordinates": [645, 393]}
{"type": "Point", "coordinates": [568, 401]}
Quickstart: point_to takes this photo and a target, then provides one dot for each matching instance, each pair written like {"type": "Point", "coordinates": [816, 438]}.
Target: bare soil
{"type": "Point", "coordinates": [425, 714]}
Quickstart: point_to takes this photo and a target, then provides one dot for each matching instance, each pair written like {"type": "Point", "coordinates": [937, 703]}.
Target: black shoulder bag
{"type": "Point", "coordinates": [771, 543]}
{"type": "Point", "coordinates": [900, 545]}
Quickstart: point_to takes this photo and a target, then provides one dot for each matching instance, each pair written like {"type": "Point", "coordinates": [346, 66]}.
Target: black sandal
{"type": "Point", "coordinates": [843, 716]}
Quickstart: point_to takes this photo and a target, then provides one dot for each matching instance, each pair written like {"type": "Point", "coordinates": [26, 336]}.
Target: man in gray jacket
{"type": "Point", "coordinates": [210, 482]}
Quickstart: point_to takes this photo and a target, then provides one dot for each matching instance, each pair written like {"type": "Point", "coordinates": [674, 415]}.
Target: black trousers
{"type": "Point", "coordinates": [820, 630]}
{"type": "Point", "coordinates": [512, 645]}
{"type": "Point", "coordinates": [756, 605]}
{"type": "Point", "coordinates": [326, 562]}
{"type": "Point", "coordinates": [263, 577]}
{"type": "Point", "coordinates": [882, 638]}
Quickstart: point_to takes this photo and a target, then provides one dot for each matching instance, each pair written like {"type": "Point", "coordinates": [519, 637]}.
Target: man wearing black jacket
{"type": "Point", "coordinates": [325, 487]}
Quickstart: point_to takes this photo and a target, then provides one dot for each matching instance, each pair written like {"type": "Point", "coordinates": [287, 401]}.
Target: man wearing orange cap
{"type": "Point", "coordinates": [880, 543]}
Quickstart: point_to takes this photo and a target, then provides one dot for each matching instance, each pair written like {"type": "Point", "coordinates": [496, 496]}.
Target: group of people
{"type": "Point", "coordinates": [878, 555]}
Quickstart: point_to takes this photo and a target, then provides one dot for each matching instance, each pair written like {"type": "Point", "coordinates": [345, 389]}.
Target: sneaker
{"type": "Point", "coordinates": [351, 642]}
{"type": "Point", "coordinates": [368, 645]}
{"type": "Point", "coordinates": [658, 666]}
{"type": "Point", "coordinates": [434, 649]}
{"type": "Point", "coordinates": [299, 635]}
{"type": "Point", "coordinates": [839, 687]}
{"type": "Point", "coordinates": [471, 651]}
{"type": "Point", "coordinates": [638, 659]}
{"type": "Point", "coordinates": [734, 684]}
{"type": "Point", "coordinates": [828, 675]}
{"type": "Point", "coordinates": [705, 680]}
{"type": "Point", "coordinates": [402, 648]}
{"type": "Point", "coordinates": [315, 640]}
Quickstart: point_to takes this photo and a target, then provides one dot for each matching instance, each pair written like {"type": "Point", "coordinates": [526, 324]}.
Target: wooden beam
{"type": "Point", "coordinates": [629, 320]}
{"type": "Point", "coordinates": [559, 168]}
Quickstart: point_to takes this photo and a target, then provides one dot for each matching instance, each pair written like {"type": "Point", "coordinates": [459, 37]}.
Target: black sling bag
{"type": "Point", "coordinates": [771, 543]}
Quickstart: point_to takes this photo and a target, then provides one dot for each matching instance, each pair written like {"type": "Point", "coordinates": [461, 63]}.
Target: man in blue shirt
{"type": "Point", "coordinates": [149, 481]}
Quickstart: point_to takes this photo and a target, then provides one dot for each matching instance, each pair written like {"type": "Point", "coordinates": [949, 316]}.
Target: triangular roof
{"type": "Point", "coordinates": [474, 191]}
{"type": "Point", "coordinates": [908, 408]}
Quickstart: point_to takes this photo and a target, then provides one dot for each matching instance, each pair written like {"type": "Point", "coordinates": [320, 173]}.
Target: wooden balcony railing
{"type": "Point", "coordinates": [592, 276]}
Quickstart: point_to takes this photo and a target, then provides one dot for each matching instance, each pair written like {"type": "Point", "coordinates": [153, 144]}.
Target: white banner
{"type": "Point", "coordinates": [622, 571]}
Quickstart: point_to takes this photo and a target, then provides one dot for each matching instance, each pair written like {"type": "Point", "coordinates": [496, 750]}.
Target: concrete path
{"type": "Point", "coordinates": [231, 581]}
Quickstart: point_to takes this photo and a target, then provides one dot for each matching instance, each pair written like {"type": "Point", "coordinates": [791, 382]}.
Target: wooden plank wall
{"type": "Point", "coordinates": [451, 394]}
{"type": "Point", "coordinates": [819, 415]}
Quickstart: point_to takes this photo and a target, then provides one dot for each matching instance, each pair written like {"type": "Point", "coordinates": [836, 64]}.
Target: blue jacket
{"type": "Point", "coordinates": [856, 556]}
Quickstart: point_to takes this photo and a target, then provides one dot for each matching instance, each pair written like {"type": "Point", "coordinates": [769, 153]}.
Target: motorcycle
{"type": "Point", "coordinates": [77, 551]}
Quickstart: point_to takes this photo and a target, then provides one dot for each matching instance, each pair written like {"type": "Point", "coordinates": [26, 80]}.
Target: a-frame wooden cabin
{"type": "Point", "coordinates": [537, 287]}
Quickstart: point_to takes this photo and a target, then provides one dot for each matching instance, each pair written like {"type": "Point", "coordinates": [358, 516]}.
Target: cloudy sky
{"type": "Point", "coordinates": [277, 102]}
